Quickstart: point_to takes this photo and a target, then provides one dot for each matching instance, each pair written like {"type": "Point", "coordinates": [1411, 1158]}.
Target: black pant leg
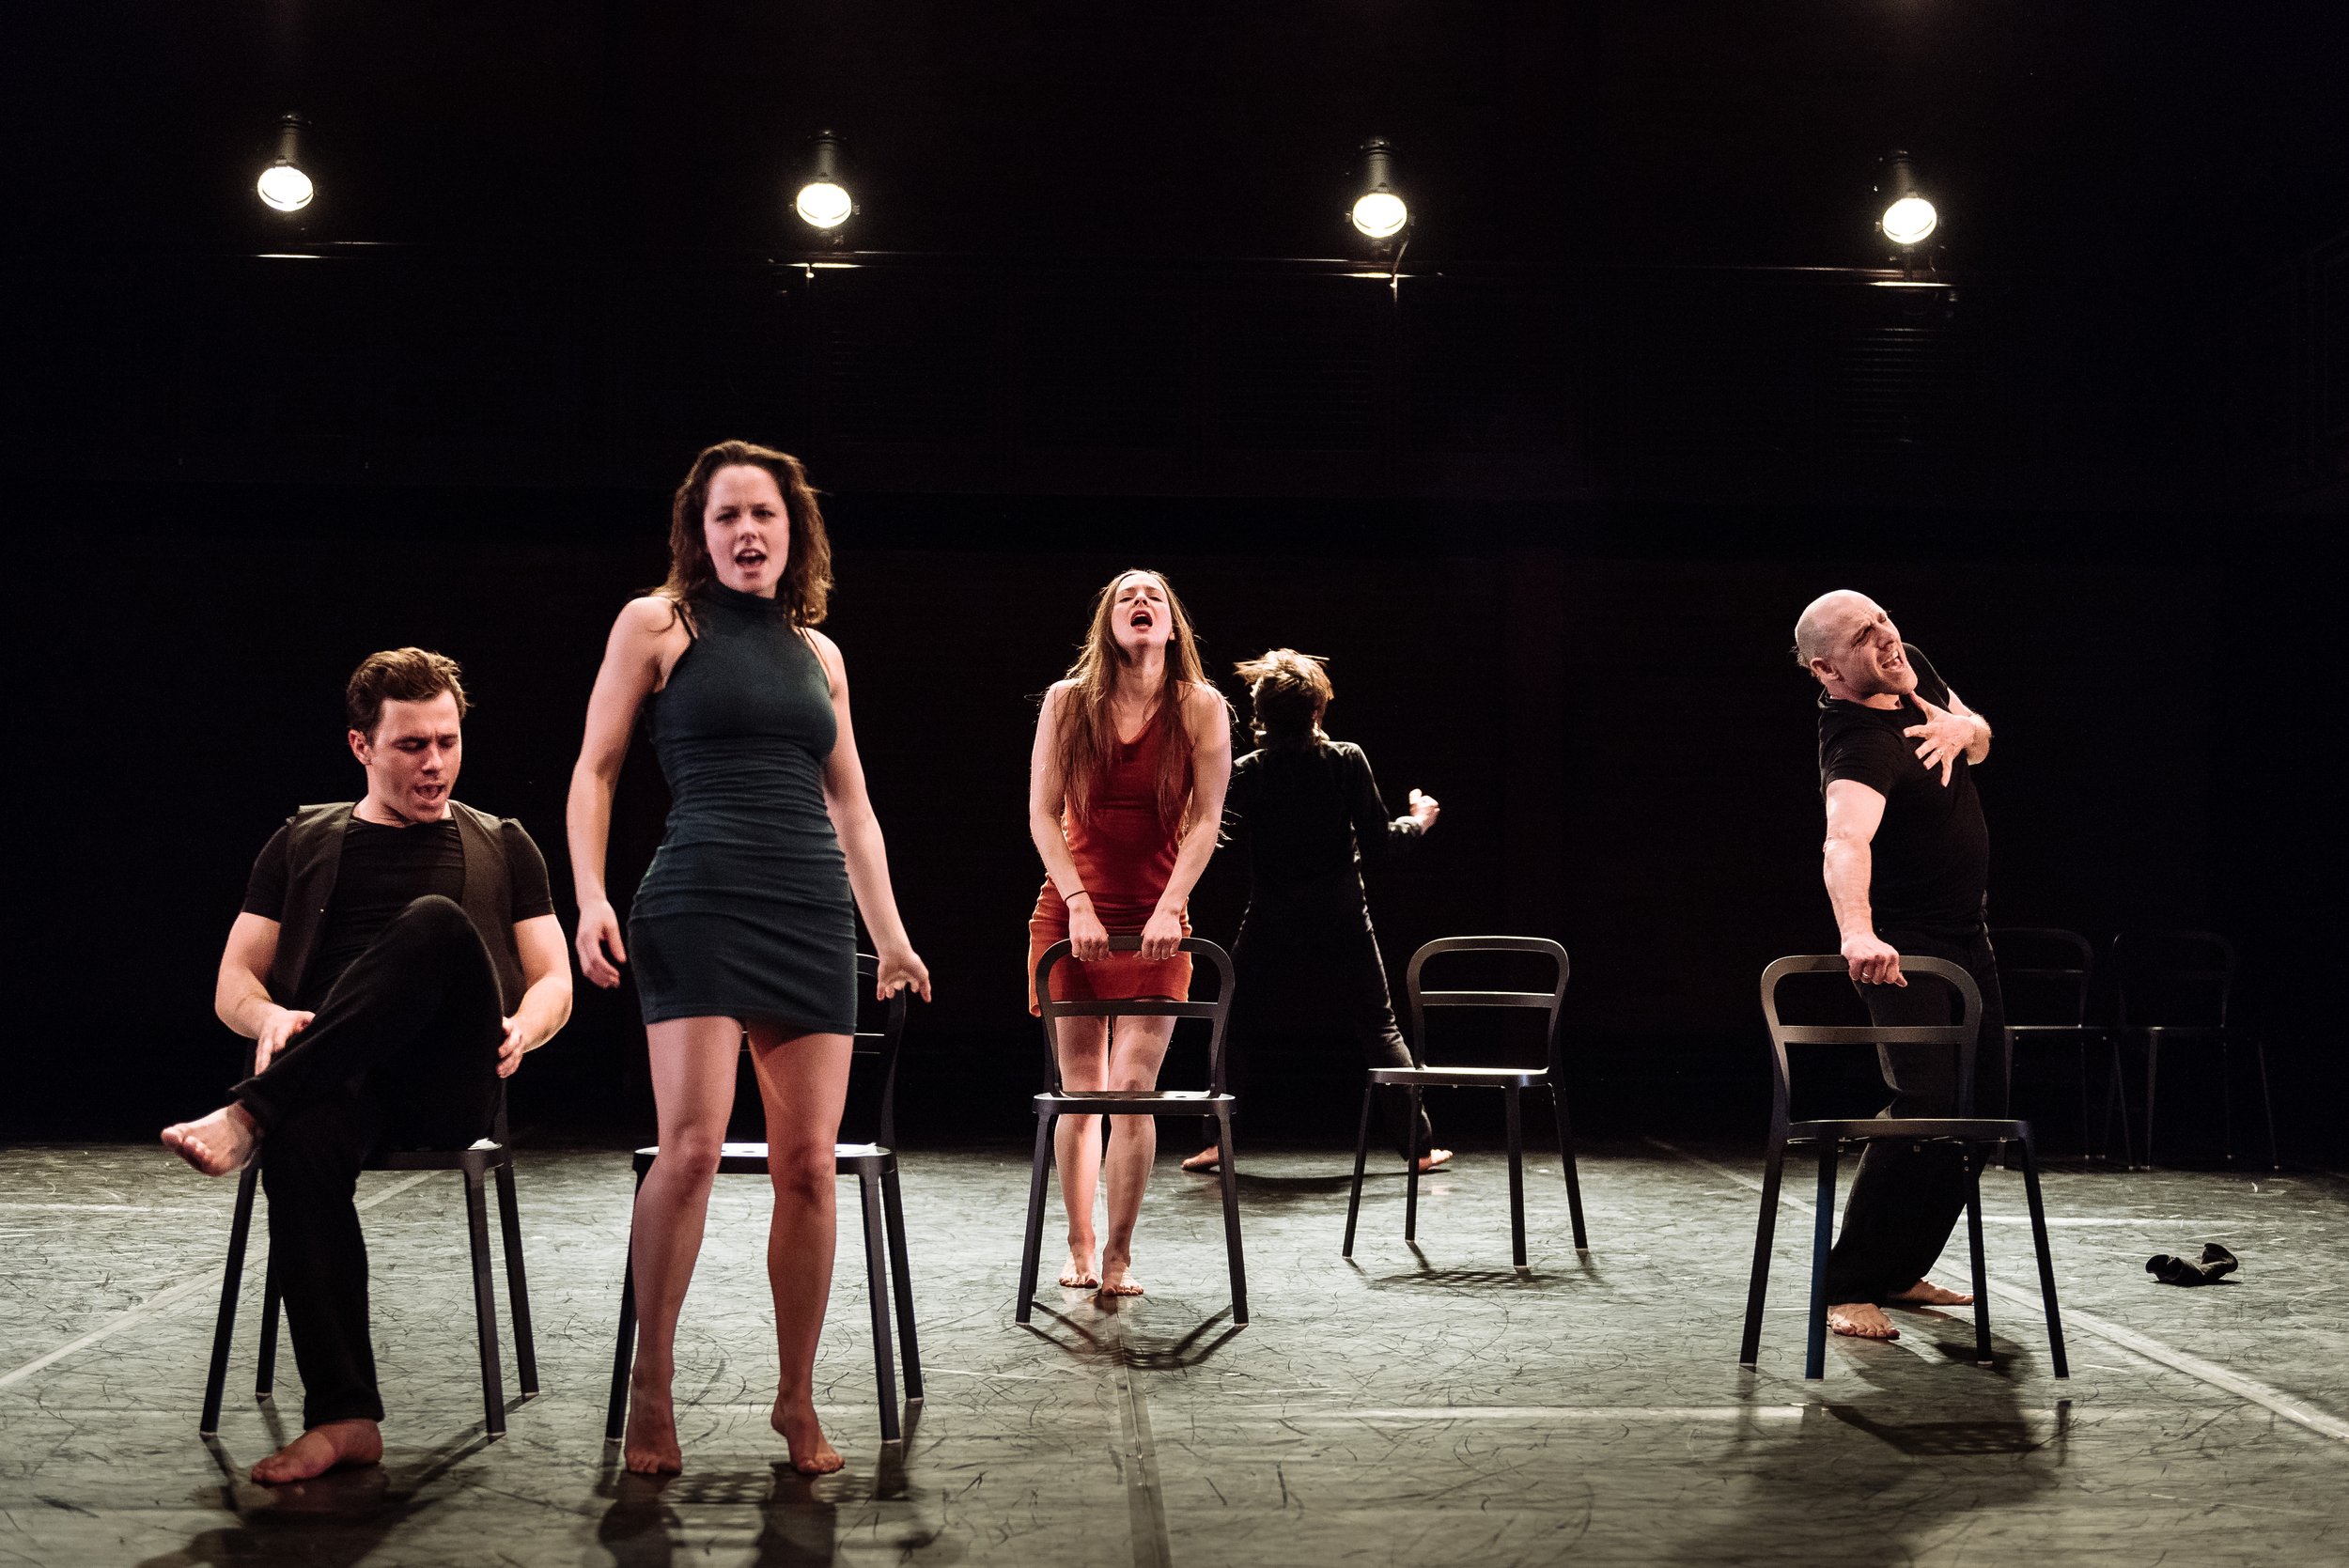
{"type": "Point", "coordinates": [1359, 974]}
{"type": "Point", "coordinates": [416, 1017]}
{"type": "Point", "coordinates": [310, 1165]}
{"type": "Point", "coordinates": [1905, 1196]}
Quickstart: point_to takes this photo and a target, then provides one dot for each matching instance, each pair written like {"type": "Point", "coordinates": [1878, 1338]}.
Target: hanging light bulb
{"type": "Point", "coordinates": [285, 185]}
{"type": "Point", "coordinates": [1378, 213]}
{"type": "Point", "coordinates": [1906, 217]}
{"type": "Point", "coordinates": [823, 203]}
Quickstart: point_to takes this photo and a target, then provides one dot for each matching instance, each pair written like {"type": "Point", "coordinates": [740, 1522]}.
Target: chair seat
{"type": "Point", "coordinates": [1981, 1130]}
{"type": "Point", "coordinates": [1132, 1101]}
{"type": "Point", "coordinates": [1497, 1078]}
{"type": "Point", "coordinates": [483, 1152]}
{"type": "Point", "coordinates": [750, 1159]}
{"type": "Point", "coordinates": [2056, 1028]}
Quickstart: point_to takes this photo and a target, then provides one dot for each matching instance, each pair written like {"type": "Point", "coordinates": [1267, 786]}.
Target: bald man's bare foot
{"type": "Point", "coordinates": [1117, 1276]}
{"type": "Point", "coordinates": [1862, 1320]}
{"type": "Point", "coordinates": [812, 1453]}
{"type": "Point", "coordinates": [1079, 1273]}
{"type": "Point", "coordinates": [322, 1448]}
{"type": "Point", "coordinates": [651, 1447]}
{"type": "Point", "coordinates": [215, 1144]}
{"type": "Point", "coordinates": [1925, 1293]}
{"type": "Point", "coordinates": [1205, 1159]}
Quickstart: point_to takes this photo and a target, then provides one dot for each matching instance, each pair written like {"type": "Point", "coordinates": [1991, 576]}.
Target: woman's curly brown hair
{"type": "Point", "coordinates": [1289, 691]}
{"type": "Point", "coordinates": [806, 586]}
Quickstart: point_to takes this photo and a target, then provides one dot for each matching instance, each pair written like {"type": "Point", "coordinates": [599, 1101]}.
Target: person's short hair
{"type": "Point", "coordinates": [399, 675]}
{"type": "Point", "coordinates": [1289, 692]}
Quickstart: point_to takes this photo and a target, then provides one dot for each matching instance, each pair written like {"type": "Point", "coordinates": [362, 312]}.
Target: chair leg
{"type": "Point", "coordinates": [2046, 1263]}
{"type": "Point", "coordinates": [1230, 1181]}
{"type": "Point", "coordinates": [901, 1279]}
{"type": "Point", "coordinates": [485, 1307]}
{"type": "Point", "coordinates": [624, 1343]}
{"type": "Point", "coordinates": [225, 1325]}
{"type": "Point", "coordinates": [2226, 1097]}
{"type": "Point", "coordinates": [1975, 1160]}
{"type": "Point", "coordinates": [2267, 1104]}
{"type": "Point", "coordinates": [2153, 1067]}
{"type": "Point", "coordinates": [2116, 1098]}
{"type": "Point", "coordinates": [1822, 1243]}
{"type": "Point", "coordinates": [1765, 1234]}
{"type": "Point", "coordinates": [517, 1286]}
{"type": "Point", "coordinates": [877, 1294]}
{"type": "Point", "coordinates": [1517, 1178]}
{"type": "Point", "coordinates": [1033, 1253]}
{"type": "Point", "coordinates": [1565, 1157]}
{"type": "Point", "coordinates": [1411, 1177]}
{"type": "Point", "coordinates": [2087, 1151]}
{"type": "Point", "coordinates": [1361, 1159]}
{"type": "Point", "coordinates": [273, 1302]}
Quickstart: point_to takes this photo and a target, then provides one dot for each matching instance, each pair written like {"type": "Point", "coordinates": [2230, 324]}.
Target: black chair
{"type": "Point", "coordinates": [1513, 1082]}
{"type": "Point", "coordinates": [874, 1167]}
{"type": "Point", "coordinates": [490, 1156]}
{"type": "Point", "coordinates": [2175, 987]}
{"type": "Point", "coordinates": [1974, 1133]}
{"type": "Point", "coordinates": [2048, 973]}
{"type": "Point", "coordinates": [1056, 1102]}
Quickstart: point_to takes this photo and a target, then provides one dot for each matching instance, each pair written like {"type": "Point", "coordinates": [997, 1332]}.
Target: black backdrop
{"type": "Point", "coordinates": [1604, 702]}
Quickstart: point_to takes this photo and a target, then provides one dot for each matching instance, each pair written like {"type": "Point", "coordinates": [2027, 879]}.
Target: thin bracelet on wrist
{"type": "Point", "coordinates": [1078, 893]}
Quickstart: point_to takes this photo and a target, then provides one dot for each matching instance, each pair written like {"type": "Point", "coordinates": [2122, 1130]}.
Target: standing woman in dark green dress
{"type": "Point", "coordinates": [742, 922]}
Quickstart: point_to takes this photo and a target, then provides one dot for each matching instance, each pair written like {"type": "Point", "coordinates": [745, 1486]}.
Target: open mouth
{"type": "Point", "coordinates": [749, 560]}
{"type": "Point", "coordinates": [1141, 620]}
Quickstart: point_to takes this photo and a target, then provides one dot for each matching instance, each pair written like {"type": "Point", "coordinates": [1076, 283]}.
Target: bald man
{"type": "Point", "coordinates": [1908, 863]}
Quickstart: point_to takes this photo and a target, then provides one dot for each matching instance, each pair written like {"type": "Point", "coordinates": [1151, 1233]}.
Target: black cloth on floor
{"type": "Point", "coordinates": [2216, 1264]}
{"type": "Point", "coordinates": [403, 1051]}
{"type": "Point", "coordinates": [1906, 1195]}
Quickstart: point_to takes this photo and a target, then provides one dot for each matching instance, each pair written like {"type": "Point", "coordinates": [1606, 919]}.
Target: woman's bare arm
{"type": "Point", "coordinates": [1210, 726]}
{"type": "Point", "coordinates": [645, 642]}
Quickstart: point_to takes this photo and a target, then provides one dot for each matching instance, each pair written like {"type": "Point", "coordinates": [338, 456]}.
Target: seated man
{"type": "Point", "coordinates": [393, 961]}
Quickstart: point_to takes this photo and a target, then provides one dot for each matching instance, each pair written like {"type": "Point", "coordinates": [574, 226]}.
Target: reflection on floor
{"type": "Point", "coordinates": [1415, 1406]}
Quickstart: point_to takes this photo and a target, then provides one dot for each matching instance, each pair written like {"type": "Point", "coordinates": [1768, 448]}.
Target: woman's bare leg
{"type": "Point", "coordinates": [1077, 1143]}
{"type": "Point", "coordinates": [802, 1082]}
{"type": "Point", "coordinates": [693, 1087]}
{"type": "Point", "coordinates": [1135, 1053]}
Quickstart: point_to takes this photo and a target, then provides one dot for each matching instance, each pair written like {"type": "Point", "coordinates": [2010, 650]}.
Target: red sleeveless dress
{"type": "Point", "coordinates": [1124, 857]}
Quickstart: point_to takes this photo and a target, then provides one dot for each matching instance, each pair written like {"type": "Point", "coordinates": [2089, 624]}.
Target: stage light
{"type": "Point", "coordinates": [1907, 218]}
{"type": "Point", "coordinates": [1379, 213]}
{"type": "Point", "coordinates": [284, 185]}
{"type": "Point", "coordinates": [823, 203]}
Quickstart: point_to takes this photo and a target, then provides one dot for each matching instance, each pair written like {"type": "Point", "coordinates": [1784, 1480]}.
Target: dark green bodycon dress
{"type": "Point", "coordinates": [744, 913]}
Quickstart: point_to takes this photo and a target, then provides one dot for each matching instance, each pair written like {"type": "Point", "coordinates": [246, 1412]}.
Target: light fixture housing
{"type": "Point", "coordinates": [1904, 216]}
{"type": "Point", "coordinates": [285, 185]}
{"type": "Point", "coordinates": [823, 201]}
{"type": "Point", "coordinates": [1380, 213]}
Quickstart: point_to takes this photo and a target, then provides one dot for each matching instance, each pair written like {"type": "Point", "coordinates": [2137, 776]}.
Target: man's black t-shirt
{"type": "Point", "coordinates": [1302, 811]}
{"type": "Point", "coordinates": [382, 871]}
{"type": "Point", "coordinates": [1932, 853]}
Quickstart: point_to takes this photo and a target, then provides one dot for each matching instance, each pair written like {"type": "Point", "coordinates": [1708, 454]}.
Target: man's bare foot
{"type": "Point", "coordinates": [651, 1447]}
{"type": "Point", "coordinates": [1925, 1293]}
{"type": "Point", "coordinates": [1433, 1158]}
{"type": "Point", "coordinates": [322, 1448]}
{"type": "Point", "coordinates": [1205, 1159]}
{"type": "Point", "coordinates": [1862, 1320]}
{"type": "Point", "coordinates": [812, 1453]}
{"type": "Point", "coordinates": [1117, 1277]}
{"type": "Point", "coordinates": [1079, 1273]}
{"type": "Point", "coordinates": [215, 1144]}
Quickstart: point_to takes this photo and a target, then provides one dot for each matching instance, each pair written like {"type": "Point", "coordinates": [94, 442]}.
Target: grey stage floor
{"type": "Point", "coordinates": [1429, 1407]}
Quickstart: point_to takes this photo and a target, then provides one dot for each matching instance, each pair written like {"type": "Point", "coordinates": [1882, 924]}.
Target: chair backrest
{"type": "Point", "coordinates": [880, 1026]}
{"type": "Point", "coordinates": [1217, 1013]}
{"type": "Point", "coordinates": [1959, 1035]}
{"type": "Point", "coordinates": [2045, 974]}
{"type": "Point", "coordinates": [1550, 1003]}
{"type": "Point", "coordinates": [2173, 978]}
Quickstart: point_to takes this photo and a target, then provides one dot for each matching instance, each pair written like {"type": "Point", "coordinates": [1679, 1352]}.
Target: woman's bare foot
{"type": "Point", "coordinates": [651, 1448]}
{"type": "Point", "coordinates": [1862, 1320]}
{"type": "Point", "coordinates": [1079, 1273]}
{"type": "Point", "coordinates": [322, 1448]}
{"type": "Point", "coordinates": [1117, 1277]}
{"type": "Point", "coordinates": [1205, 1159]}
{"type": "Point", "coordinates": [1433, 1158]}
{"type": "Point", "coordinates": [1925, 1293]}
{"type": "Point", "coordinates": [217, 1145]}
{"type": "Point", "coordinates": [812, 1453]}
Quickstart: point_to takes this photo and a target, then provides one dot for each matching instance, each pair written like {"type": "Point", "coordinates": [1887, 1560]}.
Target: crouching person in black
{"type": "Point", "coordinates": [395, 959]}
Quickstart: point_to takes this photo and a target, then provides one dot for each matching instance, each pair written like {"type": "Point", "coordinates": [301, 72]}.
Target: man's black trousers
{"type": "Point", "coordinates": [402, 1051]}
{"type": "Point", "coordinates": [1906, 1197]}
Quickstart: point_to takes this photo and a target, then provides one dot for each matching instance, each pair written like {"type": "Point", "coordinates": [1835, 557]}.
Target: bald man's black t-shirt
{"type": "Point", "coordinates": [1932, 853]}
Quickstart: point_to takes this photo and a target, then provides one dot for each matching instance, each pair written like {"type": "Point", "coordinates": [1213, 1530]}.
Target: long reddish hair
{"type": "Point", "coordinates": [806, 583]}
{"type": "Point", "coordinates": [1088, 730]}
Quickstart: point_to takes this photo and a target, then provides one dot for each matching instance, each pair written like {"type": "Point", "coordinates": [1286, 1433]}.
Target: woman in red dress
{"type": "Point", "coordinates": [1125, 800]}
